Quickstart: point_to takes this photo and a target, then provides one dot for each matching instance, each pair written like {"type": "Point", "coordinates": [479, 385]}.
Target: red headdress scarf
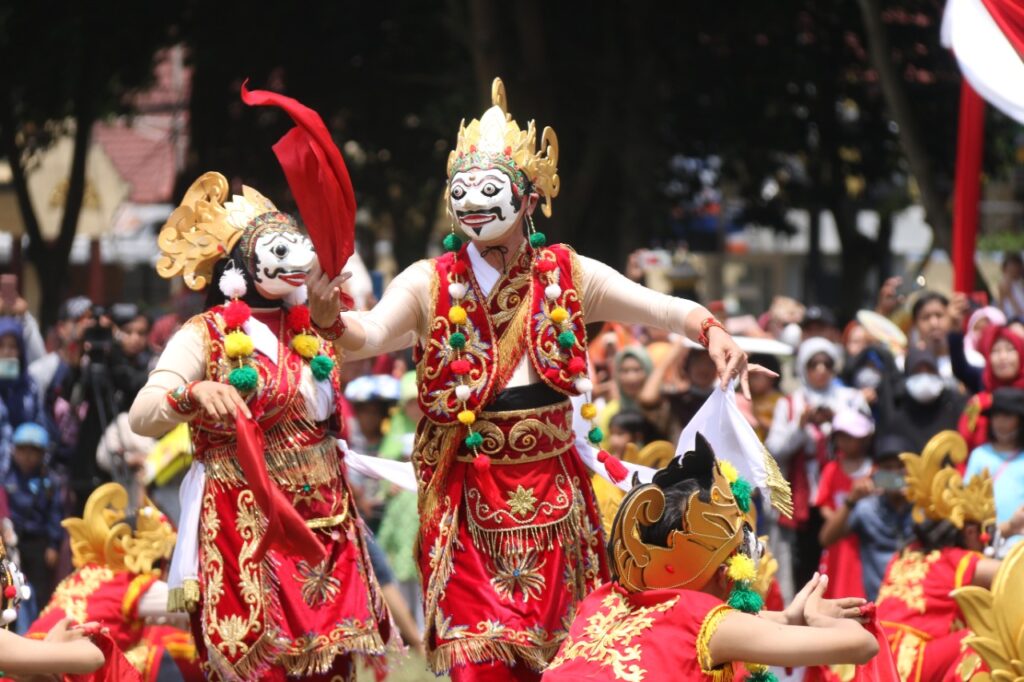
{"type": "Point", "coordinates": [988, 339]}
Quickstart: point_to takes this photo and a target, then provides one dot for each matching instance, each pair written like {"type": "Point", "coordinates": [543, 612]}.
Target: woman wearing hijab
{"type": "Point", "coordinates": [798, 439]}
{"type": "Point", "coordinates": [1003, 351]}
{"type": "Point", "coordinates": [630, 369]}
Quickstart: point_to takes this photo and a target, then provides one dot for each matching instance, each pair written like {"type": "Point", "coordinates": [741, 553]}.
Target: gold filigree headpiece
{"type": "Point", "coordinates": [205, 227]}
{"type": "Point", "coordinates": [101, 536]}
{"type": "Point", "coordinates": [713, 527]}
{"type": "Point", "coordinates": [496, 141]}
{"type": "Point", "coordinates": [937, 489]}
{"type": "Point", "coordinates": [996, 620]}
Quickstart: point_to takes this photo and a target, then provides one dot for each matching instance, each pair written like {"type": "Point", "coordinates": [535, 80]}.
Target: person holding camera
{"type": "Point", "coordinates": [18, 392]}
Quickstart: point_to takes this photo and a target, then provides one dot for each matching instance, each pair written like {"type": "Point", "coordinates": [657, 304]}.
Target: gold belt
{"type": "Point", "coordinates": [327, 521]}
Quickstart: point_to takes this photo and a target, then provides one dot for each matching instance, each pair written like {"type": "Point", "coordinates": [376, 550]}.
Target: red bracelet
{"type": "Point", "coordinates": [705, 327]}
{"type": "Point", "coordinates": [332, 333]}
{"type": "Point", "coordinates": [181, 399]}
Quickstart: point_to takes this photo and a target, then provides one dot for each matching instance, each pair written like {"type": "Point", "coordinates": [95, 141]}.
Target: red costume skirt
{"type": "Point", "coordinates": [281, 617]}
{"type": "Point", "coordinates": [508, 551]}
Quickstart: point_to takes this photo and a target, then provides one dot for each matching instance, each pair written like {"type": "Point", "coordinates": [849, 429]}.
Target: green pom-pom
{"type": "Point", "coordinates": [744, 599]}
{"type": "Point", "coordinates": [566, 339]}
{"type": "Point", "coordinates": [763, 676]}
{"type": "Point", "coordinates": [322, 367]}
{"type": "Point", "coordinates": [741, 490]}
{"type": "Point", "coordinates": [596, 435]}
{"type": "Point", "coordinates": [474, 440]}
{"type": "Point", "coordinates": [244, 379]}
{"type": "Point", "coordinates": [538, 239]}
{"type": "Point", "coordinates": [457, 340]}
{"type": "Point", "coordinates": [451, 242]}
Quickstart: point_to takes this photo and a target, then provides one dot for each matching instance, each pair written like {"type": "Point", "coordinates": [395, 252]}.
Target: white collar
{"type": "Point", "coordinates": [486, 274]}
{"type": "Point", "coordinates": [264, 340]}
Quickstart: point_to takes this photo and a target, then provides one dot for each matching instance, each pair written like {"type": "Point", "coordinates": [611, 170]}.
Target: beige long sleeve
{"type": "Point", "coordinates": [183, 360]}
{"type": "Point", "coordinates": [610, 296]}
{"type": "Point", "coordinates": [400, 317]}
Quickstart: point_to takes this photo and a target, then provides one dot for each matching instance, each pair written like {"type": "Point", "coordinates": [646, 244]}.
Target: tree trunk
{"type": "Point", "coordinates": [910, 136]}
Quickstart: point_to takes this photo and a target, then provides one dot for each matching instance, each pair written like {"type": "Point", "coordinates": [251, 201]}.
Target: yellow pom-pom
{"type": "Point", "coordinates": [559, 315]}
{"type": "Point", "coordinates": [457, 314]}
{"type": "Point", "coordinates": [467, 417]}
{"type": "Point", "coordinates": [306, 345]}
{"type": "Point", "coordinates": [728, 470]}
{"type": "Point", "coordinates": [588, 411]}
{"type": "Point", "coordinates": [741, 568]}
{"type": "Point", "coordinates": [755, 667]}
{"type": "Point", "coordinates": [238, 345]}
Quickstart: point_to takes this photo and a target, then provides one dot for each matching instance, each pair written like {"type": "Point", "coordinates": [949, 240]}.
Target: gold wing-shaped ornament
{"type": "Point", "coordinates": [928, 476]}
{"type": "Point", "coordinates": [656, 454]}
{"type": "Point", "coordinates": [996, 620]}
{"type": "Point", "coordinates": [98, 536]}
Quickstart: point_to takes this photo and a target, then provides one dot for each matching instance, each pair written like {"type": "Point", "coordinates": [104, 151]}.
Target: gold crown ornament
{"type": "Point", "coordinates": [713, 527]}
{"type": "Point", "coordinates": [207, 225]}
{"type": "Point", "coordinates": [996, 622]}
{"type": "Point", "coordinates": [101, 536]}
{"type": "Point", "coordinates": [937, 490]}
{"type": "Point", "coordinates": [496, 141]}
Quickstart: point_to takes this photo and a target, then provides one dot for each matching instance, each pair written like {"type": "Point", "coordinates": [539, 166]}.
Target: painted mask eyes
{"type": "Point", "coordinates": [280, 250]}
{"type": "Point", "coordinates": [489, 190]}
{"type": "Point", "coordinates": [458, 192]}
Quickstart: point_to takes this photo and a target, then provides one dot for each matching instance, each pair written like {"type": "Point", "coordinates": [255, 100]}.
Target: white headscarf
{"type": "Point", "coordinates": [811, 347]}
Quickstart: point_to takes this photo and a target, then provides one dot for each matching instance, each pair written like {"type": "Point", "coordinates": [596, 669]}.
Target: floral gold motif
{"type": "Point", "coordinates": [907, 576]}
{"type": "Point", "coordinates": [522, 502]}
{"type": "Point", "coordinates": [610, 637]}
{"type": "Point", "coordinates": [518, 571]}
{"type": "Point", "coordinates": [318, 585]}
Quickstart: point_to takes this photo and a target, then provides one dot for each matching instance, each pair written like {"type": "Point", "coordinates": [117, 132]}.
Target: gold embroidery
{"type": "Point", "coordinates": [291, 468]}
{"type": "Point", "coordinates": [522, 502]}
{"type": "Point", "coordinates": [318, 585]}
{"type": "Point", "coordinates": [610, 637]}
{"type": "Point", "coordinates": [519, 571]}
{"type": "Point", "coordinates": [905, 579]}
{"type": "Point", "coordinates": [72, 594]}
{"type": "Point", "coordinates": [327, 521]}
{"type": "Point", "coordinates": [523, 437]}
{"type": "Point", "coordinates": [708, 627]}
{"type": "Point", "coordinates": [968, 666]}
{"type": "Point", "coordinates": [907, 654]}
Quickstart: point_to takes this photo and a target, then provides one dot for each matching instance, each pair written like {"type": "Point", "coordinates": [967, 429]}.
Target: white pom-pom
{"type": "Point", "coordinates": [552, 291]}
{"type": "Point", "coordinates": [232, 283]}
{"type": "Point", "coordinates": [462, 392]}
{"type": "Point", "coordinates": [8, 616]}
{"type": "Point", "coordinates": [26, 593]}
{"type": "Point", "coordinates": [457, 290]}
{"type": "Point", "coordinates": [584, 385]}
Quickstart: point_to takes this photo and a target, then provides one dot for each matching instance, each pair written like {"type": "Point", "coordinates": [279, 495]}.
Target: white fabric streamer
{"type": "Point", "coordinates": [185, 562]}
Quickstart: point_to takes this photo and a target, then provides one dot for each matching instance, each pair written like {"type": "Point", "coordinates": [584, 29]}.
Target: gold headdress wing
{"type": "Point", "coordinates": [936, 488]}
{"type": "Point", "coordinates": [101, 536]}
{"type": "Point", "coordinates": [204, 228]}
{"type": "Point", "coordinates": [711, 530]}
{"type": "Point", "coordinates": [98, 536]}
{"type": "Point", "coordinates": [497, 140]}
{"type": "Point", "coordinates": [996, 619]}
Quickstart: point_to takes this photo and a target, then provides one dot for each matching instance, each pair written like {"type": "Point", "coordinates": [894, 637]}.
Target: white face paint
{"type": "Point", "coordinates": [482, 203]}
{"type": "Point", "coordinates": [282, 261]}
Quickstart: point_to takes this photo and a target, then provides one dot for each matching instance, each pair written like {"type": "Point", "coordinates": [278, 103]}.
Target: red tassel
{"type": "Point", "coordinates": [298, 319]}
{"type": "Point", "coordinates": [482, 464]}
{"type": "Point", "coordinates": [553, 375]}
{"type": "Point", "coordinates": [577, 365]}
{"type": "Point", "coordinates": [616, 471]}
{"type": "Point", "coordinates": [460, 367]}
{"type": "Point", "coordinates": [10, 592]}
{"type": "Point", "coordinates": [546, 265]}
{"type": "Point", "coordinates": [458, 268]}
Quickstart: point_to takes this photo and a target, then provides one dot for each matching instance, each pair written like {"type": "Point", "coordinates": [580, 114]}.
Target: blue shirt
{"type": "Point", "coordinates": [882, 530]}
{"type": "Point", "coordinates": [1007, 472]}
{"type": "Point", "coordinates": [36, 504]}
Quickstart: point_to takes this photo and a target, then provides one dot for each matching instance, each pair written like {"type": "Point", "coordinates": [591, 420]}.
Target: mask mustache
{"type": "Point", "coordinates": [276, 272]}
{"type": "Point", "coordinates": [496, 211]}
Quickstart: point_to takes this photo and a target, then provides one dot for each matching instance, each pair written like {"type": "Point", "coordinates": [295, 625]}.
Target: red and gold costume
{"type": "Point", "coordinates": [522, 534]}
{"type": "Point", "coordinates": [115, 569]}
{"type": "Point", "coordinates": [924, 625]}
{"type": "Point", "coordinates": [279, 581]}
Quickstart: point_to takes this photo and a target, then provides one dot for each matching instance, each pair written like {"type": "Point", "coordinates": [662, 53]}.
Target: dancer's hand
{"type": "Point", "coordinates": [818, 610]}
{"type": "Point", "coordinates": [731, 362]}
{"type": "Point", "coordinates": [325, 296]}
{"type": "Point", "coordinates": [219, 401]}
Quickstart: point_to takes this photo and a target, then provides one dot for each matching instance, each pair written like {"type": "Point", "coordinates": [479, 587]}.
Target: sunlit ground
{"type": "Point", "coordinates": [411, 668]}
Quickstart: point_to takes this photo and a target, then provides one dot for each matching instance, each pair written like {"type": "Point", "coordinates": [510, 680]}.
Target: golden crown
{"type": "Point", "coordinates": [496, 141]}
{"type": "Point", "coordinates": [204, 228]}
{"type": "Point", "coordinates": [996, 619]}
{"type": "Point", "coordinates": [712, 528]}
{"type": "Point", "coordinates": [937, 489]}
{"type": "Point", "coordinates": [101, 536]}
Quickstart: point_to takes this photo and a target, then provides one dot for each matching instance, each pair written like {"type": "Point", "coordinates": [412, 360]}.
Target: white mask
{"type": "Point", "coordinates": [867, 377]}
{"type": "Point", "coordinates": [925, 388]}
{"type": "Point", "coordinates": [283, 260]}
{"type": "Point", "coordinates": [484, 204]}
